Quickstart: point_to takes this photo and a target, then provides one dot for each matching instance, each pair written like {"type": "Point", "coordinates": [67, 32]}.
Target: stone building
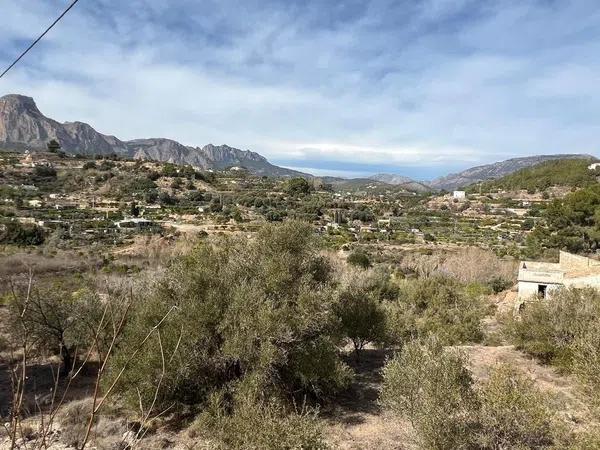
{"type": "Point", "coordinates": [539, 279]}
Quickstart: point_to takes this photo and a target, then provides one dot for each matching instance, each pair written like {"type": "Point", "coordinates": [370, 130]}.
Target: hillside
{"type": "Point", "coordinates": [371, 185]}
{"type": "Point", "coordinates": [496, 170]}
{"type": "Point", "coordinates": [23, 126]}
{"type": "Point", "coordinates": [391, 178]}
{"type": "Point", "coordinates": [564, 172]}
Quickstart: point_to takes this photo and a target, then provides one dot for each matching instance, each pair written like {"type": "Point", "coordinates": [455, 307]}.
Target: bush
{"type": "Point", "coordinates": [359, 259]}
{"type": "Point", "coordinates": [550, 330]}
{"type": "Point", "coordinates": [513, 412]}
{"type": "Point", "coordinates": [44, 172]}
{"type": "Point", "coordinates": [498, 284]}
{"type": "Point", "coordinates": [21, 234]}
{"type": "Point", "coordinates": [73, 418]}
{"type": "Point", "coordinates": [259, 424]}
{"type": "Point", "coordinates": [298, 186]}
{"type": "Point", "coordinates": [438, 306]}
{"type": "Point", "coordinates": [586, 358]}
{"type": "Point", "coordinates": [261, 308]}
{"type": "Point", "coordinates": [475, 265]}
{"type": "Point", "coordinates": [431, 387]}
{"type": "Point", "coordinates": [361, 315]}
{"type": "Point", "coordinates": [58, 317]}
{"type": "Point", "coordinates": [107, 431]}
{"type": "Point", "coordinates": [138, 185]}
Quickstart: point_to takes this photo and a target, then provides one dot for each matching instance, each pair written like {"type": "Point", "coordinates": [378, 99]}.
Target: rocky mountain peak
{"type": "Point", "coordinates": [19, 104]}
{"type": "Point", "coordinates": [222, 152]}
{"type": "Point", "coordinates": [24, 127]}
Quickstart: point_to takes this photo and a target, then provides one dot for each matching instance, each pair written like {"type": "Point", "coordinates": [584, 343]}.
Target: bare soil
{"type": "Point", "coordinates": [355, 419]}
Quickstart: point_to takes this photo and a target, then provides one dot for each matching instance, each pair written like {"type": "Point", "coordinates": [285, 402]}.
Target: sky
{"type": "Point", "coordinates": [420, 88]}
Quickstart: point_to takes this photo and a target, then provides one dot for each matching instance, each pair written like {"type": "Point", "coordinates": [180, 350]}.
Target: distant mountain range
{"type": "Point", "coordinates": [24, 127]}
{"type": "Point", "coordinates": [401, 181]}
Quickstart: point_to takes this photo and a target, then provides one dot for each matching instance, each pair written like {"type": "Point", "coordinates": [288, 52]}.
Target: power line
{"type": "Point", "coordinates": [39, 38]}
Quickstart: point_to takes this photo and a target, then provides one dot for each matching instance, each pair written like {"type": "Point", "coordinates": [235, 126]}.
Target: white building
{"type": "Point", "coordinates": [459, 195]}
{"type": "Point", "coordinates": [539, 279]}
{"type": "Point", "coordinates": [593, 166]}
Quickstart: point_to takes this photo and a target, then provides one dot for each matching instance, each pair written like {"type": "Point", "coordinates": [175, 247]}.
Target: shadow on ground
{"type": "Point", "coordinates": [40, 386]}
{"type": "Point", "coordinates": [350, 406]}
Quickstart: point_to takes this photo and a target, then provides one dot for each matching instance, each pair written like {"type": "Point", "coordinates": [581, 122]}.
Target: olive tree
{"type": "Point", "coordinates": [53, 317]}
{"type": "Point", "coordinates": [359, 308]}
{"type": "Point", "coordinates": [258, 309]}
{"type": "Point", "coordinates": [432, 388]}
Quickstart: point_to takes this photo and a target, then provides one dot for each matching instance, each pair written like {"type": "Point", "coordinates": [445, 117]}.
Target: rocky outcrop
{"type": "Point", "coordinates": [23, 126]}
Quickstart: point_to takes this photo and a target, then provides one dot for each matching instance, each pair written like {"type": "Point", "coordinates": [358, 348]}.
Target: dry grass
{"type": "Point", "coordinates": [473, 264]}
{"type": "Point", "coordinates": [567, 394]}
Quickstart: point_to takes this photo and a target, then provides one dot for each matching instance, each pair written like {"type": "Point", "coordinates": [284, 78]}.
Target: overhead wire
{"type": "Point", "coordinates": [64, 13]}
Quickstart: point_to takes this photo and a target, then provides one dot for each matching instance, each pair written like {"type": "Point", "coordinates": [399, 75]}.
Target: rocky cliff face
{"type": "Point", "coordinates": [23, 126]}
{"type": "Point", "coordinates": [496, 170]}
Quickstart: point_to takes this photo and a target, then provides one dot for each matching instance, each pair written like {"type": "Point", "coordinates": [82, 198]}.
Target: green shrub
{"type": "Point", "coordinates": [137, 185]}
{"type": "Point", "coordinates": [60, 318]}
{"type": "Point", "coordinates": [498, 284]}
{"type": "Point", "coordinates": [257, 425]}
{"type": "Point", "coordinates": [359, 259]}
{"type": "Point", "coordinates": [21, 234]}
{"type": "Point", "coordinates": [432, 388]}
{"type": "Point", "coordinates": [549, 329]}
{"type": "Point", "coordinates": [513, 412]}
{"type": "Point", "coordinates": [586, 358]}
{"type": "Point", "coordinates": [298, 186]}
{"type": "Point", "coordinates": [439, 306]}
{"type": "Point", "coordinates": [44, 172]}
{"type": "Point", "coordinates": [261, 308]}
{"type": "Point", "coordinates": [361, 315]}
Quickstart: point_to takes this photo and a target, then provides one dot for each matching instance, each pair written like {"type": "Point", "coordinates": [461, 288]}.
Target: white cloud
{"type": "Point", "coordinates": [422, 85]}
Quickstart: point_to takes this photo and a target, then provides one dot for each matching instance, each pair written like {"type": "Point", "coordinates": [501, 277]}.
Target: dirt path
{"type": "Point", "coordinates": [355, 420]}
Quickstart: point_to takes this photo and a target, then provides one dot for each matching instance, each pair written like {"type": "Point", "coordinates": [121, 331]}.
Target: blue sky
{"type": "Point", "coordinates": [419, 88]}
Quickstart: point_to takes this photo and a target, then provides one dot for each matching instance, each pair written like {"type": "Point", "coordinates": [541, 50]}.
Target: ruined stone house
{"type": "Point", "coordinates": [539, 279]}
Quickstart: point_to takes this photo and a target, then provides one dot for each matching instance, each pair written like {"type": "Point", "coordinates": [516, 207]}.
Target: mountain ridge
{"type": "Point", "coordinates": [23, 126]}
{"type": "Point", "coordinates": [497, 170]}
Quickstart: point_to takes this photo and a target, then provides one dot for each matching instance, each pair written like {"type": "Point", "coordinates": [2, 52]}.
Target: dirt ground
{"type": "Point", "coordinates": [355, 419]}
{"type": "Point", "coordinates": [565, 392]}
{"type": "Point", "coordinates": [357, 422]}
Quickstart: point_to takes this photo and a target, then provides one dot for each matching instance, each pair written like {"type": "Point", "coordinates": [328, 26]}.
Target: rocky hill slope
{"type": "Point", "coordinates": [496, 170]}
{"type": "Point", "coordinates": [24, 127]}
{"type": "Point", "coordinates": [391, 178]}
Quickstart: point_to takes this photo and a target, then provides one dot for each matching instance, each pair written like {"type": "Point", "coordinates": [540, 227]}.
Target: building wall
{"type": "Point", "coordinates": [528, 289]}
{"type": "Point", "coordinates": [581, 282]}
{"type": "Point", "coordinates": [569, 261]}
